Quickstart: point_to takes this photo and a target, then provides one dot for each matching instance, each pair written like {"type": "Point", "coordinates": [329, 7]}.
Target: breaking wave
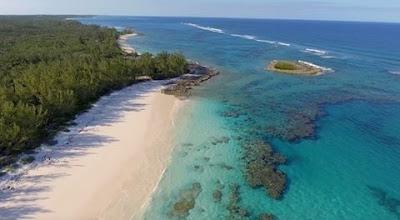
{"type": "Point", "coordinates": [243, 36]}
{"type": "Point", "coordinates": [283, 44]}
{"type": "Point", "coordinates": [325, 69]}
{"type": "Point", "coordinates": [215, 30]}
{"type": "Point", "coordinates": [267, 41]}
{"type": "Point", "coordinates": [394, 72]}
{"type": "Point", "coordinates": [315, 51]}
{"type": "Point", "coordinates": [249, 37]}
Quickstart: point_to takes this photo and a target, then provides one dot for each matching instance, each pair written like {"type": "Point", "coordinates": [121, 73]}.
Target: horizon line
{"type": "Point", "coordinates": [219, 17]}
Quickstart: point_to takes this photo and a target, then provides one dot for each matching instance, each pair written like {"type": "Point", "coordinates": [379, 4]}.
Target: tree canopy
{"type": "Point", "coordinates": [52, 68]}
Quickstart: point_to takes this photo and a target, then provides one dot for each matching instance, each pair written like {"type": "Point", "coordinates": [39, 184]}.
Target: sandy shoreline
{"type": "Point", "coordinates": [105, 167]}
{"type": "Point", "coordinates": [124, 45]}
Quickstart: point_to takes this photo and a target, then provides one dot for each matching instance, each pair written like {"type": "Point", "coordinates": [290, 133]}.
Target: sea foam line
{"type": "Point", "coordinates": [248, 37]}
{"type": "Point", "coordinates": [266, 41]}
{"type": "Point", "coordinates": [394, 72]}
{"type": "Point", "coordinates": [215, 30]}
{"type": "Point", "coordinates": [244, 36]}
{"type": "Point", "coordinates": [283, 44]}
{"type": "Point", "coordinates": [318, 52]}
{"type": "Point", "coordinates": [325, 69]}
{"type": "Point", "coordinates": [315, 51]}
{"type": "Point", "coordinates": [251, 37]}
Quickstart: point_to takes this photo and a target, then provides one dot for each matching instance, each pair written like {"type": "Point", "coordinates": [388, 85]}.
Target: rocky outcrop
{"type": "Point", "coordinates": [195, 76]}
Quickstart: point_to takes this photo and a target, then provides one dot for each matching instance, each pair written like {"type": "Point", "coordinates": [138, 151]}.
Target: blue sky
{"type": "Point", "coordinates": [360, 10]}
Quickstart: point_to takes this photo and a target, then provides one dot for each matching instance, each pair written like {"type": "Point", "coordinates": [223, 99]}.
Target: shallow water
{"type": "Point", "coordinates": [340, 131]}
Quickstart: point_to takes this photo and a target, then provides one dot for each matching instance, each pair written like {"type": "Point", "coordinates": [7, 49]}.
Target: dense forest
{"type": "Point", "coordinates": [52, 68]}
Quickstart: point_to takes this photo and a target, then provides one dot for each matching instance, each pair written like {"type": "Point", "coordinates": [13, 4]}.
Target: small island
{"type": "Point", "coordinates": [295, 67]}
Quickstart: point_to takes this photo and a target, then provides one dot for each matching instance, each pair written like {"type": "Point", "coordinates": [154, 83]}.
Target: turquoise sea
{"type": "Point", "coordinates": [340, 131]}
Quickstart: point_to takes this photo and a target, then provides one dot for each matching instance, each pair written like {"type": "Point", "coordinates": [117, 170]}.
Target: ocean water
{"type": "Point", "coordinates": [340, 131]}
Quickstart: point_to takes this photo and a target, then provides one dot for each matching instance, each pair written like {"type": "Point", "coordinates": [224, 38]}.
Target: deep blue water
{"type": "Point", "coordinates": [348, 167]}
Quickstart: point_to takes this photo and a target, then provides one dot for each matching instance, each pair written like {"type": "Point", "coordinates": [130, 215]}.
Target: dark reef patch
{"type": "Point", "coordinates": [198, 168]}
{"type": "Point", "coordinates": [233, 113]}
{"type": "Point", "coordinates": [219, 140]}
{"type": "Point", "coordinates": [389, 203]}
{"type": "Point", "coordinates": [234, 208]}
{"type": "Point", "coordinates": [298, 128]}
{"type": "Point", "coordinates": [266, 216]}
{"type": "Point", "coordinates": [187, 145]}
{"type": "Point", "coordinates": [186, 201]}
{"type": "Point", "coordinates": [217, 195]}
{"type": "Point", "coordinates": [223, 166]}
{"type": "Point", "coordinates": [261, 168]}
{"type": "Point", "coordinates": [297, 119]}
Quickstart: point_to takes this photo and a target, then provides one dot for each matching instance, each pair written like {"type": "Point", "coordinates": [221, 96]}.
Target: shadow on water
{"type": "Point", "coordinates": [22, 191]}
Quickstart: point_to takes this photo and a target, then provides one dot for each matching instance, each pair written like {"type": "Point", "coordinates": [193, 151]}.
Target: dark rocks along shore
{"type": "Point", "coordinates": [195, 76]}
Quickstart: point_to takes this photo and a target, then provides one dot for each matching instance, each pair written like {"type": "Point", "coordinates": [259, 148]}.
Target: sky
{"type": "Point", "coordinates": [348, 10]}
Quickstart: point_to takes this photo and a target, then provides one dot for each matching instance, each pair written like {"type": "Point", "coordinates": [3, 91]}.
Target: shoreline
{"type": "Point", "coordinates": [124, 45]}
{"type": "Point", "coordinates": [112, 157]}
{"type": "Point", "coordinates": [110, 160]}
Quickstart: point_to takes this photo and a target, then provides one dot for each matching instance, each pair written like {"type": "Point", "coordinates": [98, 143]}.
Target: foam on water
{"type": "Point", "coordinates": [243, 36]}
{"type": "Point", "coordinates": [328, 57]}
{"type": "Point", "coordinates": [215, 30]}
{"type": "Point", "coordinates": [394, 72]}
{"type": "Point", "coordinates": [267, 41]}
{"type": "Point", "coordinates": [283, 44]}
{"type": "Point", "coordinates": [248, 37]}
{"type": "Point", "coordinates": [315, 51]}
{"type": "Point", "coordinates": [326, 69]}
{"type": "Point", "coordinates": [318, 52]}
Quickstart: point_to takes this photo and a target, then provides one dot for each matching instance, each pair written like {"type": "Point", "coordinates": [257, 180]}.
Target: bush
{"type": "Point", "coordinates": [283, 65]}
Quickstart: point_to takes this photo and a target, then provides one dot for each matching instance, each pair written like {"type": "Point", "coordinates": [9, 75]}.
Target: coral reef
{"type": "Point", "coordinates": [234, 208]}
{"type": "Point", "coordinates": [186, 201]}
{"type": "Point", "coordinates": [261, 168]}
{"type": "Point", "coordinates": [220, 140]}
{"type": "Point", "coordinates": [266, 216]}
{"type": "Point", "coordinates": [385, 200]}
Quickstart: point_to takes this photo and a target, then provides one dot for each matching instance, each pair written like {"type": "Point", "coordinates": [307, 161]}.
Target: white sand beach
{"type": "Point", "coordinates": [104, 167]}
{"type": "Point", "coordinates": [123, 43]}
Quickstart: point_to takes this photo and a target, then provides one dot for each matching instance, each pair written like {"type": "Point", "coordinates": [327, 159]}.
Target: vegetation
{"type": "Point", "coordinates": [285, 65]}
{"type": "Point", "coordinates": [294, 67]}
{"type": "Point", "coordinates": [51, 69]}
